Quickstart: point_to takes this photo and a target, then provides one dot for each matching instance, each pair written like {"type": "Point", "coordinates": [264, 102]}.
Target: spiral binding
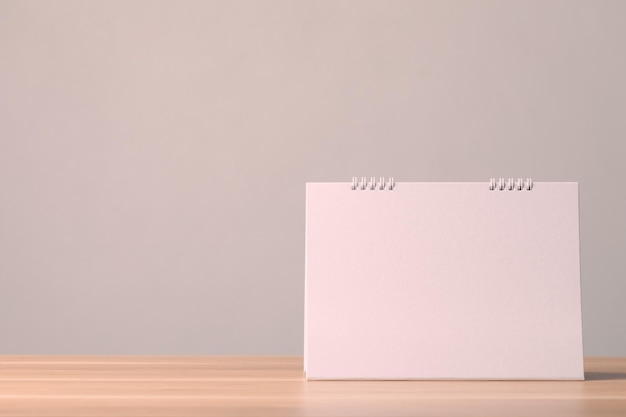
{"type": "Point", "coordinates": [494, 184]}
{"type": "Point", "coordinates": [373, 183]}
{"type": "Point", "coordinates": [511, 184]}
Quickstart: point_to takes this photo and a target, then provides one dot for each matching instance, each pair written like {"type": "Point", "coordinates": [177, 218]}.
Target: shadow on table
{"type": "Point", "coordinates": [604, 376]}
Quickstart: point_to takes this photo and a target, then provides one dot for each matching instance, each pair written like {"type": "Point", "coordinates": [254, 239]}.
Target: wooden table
{"type": "Point", "coordinates": [275, 386]}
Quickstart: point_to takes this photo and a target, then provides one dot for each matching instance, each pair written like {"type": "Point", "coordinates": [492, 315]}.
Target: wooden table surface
{"type": "Point", "coordinates": [275, 386]}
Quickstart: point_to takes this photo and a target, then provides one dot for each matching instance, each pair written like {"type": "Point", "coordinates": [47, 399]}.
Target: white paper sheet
{"type": "Point", "coordinates": [442, 281]}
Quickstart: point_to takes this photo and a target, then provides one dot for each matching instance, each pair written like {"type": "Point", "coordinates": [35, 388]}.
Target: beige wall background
{"type": "Point", "coordinates": [153, 154]}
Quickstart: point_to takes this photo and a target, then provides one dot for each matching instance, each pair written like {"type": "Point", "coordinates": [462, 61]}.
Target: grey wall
{"type": "Point", "coordinates": [153, 154]}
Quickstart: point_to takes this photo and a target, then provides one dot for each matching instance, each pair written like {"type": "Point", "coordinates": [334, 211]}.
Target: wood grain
{"type": "Point", "coordinates": [275, 386]}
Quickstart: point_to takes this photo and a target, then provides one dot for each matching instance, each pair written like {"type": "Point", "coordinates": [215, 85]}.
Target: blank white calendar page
{"type": "Point", "coordinates": [442, 281]}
